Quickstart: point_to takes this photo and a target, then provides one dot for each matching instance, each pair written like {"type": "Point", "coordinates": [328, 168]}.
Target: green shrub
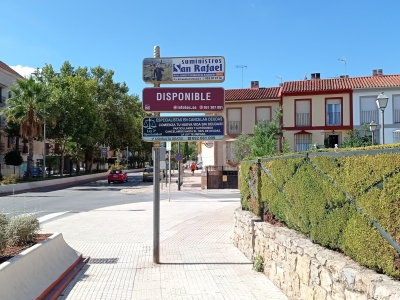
{"type": "Point", "coordinates": [245, 192]}
{"type": "Point", "coordinates": [22, 229]}
{"type": "Point", "coordinates": [300, 193]}
{"type": "Point", "coordinates": [258, 263]}
{"type": "Point", "coordinates": [283, 170]}
{"type": "Point", "coordinates": [3, 236]}
{"type": "Point", "coordinates": [329, 230]}
{"type": "Point", "coordinates": [312, 197]}
{"type": "Point", "coordinates": [364, 244]}
{"type": "Point", "coordinates": [356, 174]}
{"type": "Point", "coordinates": [11, 179]}
{"type": "Point", "coordinates": [3, 221]}
{"type": "Point", "coordinates": [118, 167]}
{"type": "Point", "coordinates": [383, 206]}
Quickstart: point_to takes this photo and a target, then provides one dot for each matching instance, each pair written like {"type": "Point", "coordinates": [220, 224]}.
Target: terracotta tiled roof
{"type": "Point", "coordinates": [338, 84]}
{"type": "Point", "coordinates": [252, 94]}
{"type": "Point", "coordinates": [8, 69]}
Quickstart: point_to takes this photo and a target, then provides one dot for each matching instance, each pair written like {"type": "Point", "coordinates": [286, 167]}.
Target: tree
{"type": "Point", "coordinates": [241, 148]}
{"type": "Point", "coordinates": [121, 112]}
{"type": "Point", "coordinates": [26, 108]}
{"type": "Point", "coordinates": [13, 158]}
{"type": "Point", "coordinates": [75, 154]}
{"type": "Point", "coordinates": [74, 114]}
{"type": "Point", "coordinates": [265, 137]}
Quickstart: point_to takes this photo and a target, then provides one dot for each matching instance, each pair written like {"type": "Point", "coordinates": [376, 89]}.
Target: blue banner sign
{"type": "Point", "coordinates": [183, 128]}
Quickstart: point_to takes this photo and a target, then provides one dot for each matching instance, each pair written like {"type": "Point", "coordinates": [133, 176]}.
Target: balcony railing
{"type": "Point", "coordinates": [333, 119]}
{"type": "Point", "coordinates": [263, 121]}
{"type": "Point", "coordinates": [3, 100]}
{"type": "Point", "coordinates": [367, 116]}
{"type": "Point", "coordinates": [234, 127]}
{"type": "Point", "coordinates": [396, 116]}
{"type": "Point", "coordinates": [302, 119]}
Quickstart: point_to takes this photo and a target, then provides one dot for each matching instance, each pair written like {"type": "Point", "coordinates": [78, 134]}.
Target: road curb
{"type": "Point", "coordinates": [36, 271]}
{"type": "Point", "coordinates": [11, 189]}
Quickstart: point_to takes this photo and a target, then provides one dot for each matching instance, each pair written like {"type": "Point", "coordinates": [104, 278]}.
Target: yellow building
{"type": "Point", "coordinates": [316, 111]}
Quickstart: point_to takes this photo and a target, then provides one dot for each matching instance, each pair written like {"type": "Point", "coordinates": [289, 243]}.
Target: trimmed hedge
{"type": "Point", "coordinates": [311, 195]}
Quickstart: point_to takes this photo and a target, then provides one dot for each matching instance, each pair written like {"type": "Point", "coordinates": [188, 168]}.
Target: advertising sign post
{"type": "Point", "coordinates": [183, 128]}
{"type": "Point", "coordinates": [193, 69]}
{"type": "Point", "coordinates": [183, 99]}
{"type": "Point", "coordinates": [179, 70]}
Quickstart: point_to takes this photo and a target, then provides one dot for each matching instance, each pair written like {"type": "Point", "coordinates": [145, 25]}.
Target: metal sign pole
{"type": "Point", "coordinates": [179, 168]}
{"type": "Point", "coordinates": [156, 188]}
{"type": "Point", "coordinates": [169, 176]}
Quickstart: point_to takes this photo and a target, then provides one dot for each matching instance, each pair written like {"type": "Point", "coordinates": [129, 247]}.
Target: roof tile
{"type": "Point", "coordinates": [252, 94]}
{"type": "Point", "coordinates": [338, 84]}
{"type": "Point", "coordinates": [8, 69]}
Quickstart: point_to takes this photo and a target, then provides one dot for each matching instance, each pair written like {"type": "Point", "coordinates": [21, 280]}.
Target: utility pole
{"type": "Point", "coordinates": [241, 67]}
{"type": "Point", "coordinates": [156, 185]}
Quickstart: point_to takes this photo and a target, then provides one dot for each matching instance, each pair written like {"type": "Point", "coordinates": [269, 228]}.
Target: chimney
{"type": "Point", "coordinates": [255, 85]}
{"type": "Point", "coordinates": [374, 72]}
{"type": "Point", "coordinates": [380, 72]}
{"type": "Point", "coordinates": [315, 76]}
{"type": "Point", "coordinates": [344, 76]}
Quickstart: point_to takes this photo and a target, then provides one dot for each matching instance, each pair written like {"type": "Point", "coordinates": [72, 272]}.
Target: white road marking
{"type": "Point", "coordinates": [51, 216]}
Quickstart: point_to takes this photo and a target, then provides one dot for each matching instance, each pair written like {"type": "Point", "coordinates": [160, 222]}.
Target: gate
{"type": "Point", "coordinates": [222, 177]}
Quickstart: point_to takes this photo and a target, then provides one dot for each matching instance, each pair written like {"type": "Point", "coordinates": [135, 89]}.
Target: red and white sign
{"type": "Point", "coordinates": [201, 99]}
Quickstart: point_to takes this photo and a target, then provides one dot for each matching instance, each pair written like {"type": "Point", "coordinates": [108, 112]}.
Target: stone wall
{"type": "Point", "coordinates": [304, 270]}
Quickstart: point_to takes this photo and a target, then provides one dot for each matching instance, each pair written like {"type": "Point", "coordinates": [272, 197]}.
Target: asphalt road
{"type": "Point", "coordinates": [50, 203]}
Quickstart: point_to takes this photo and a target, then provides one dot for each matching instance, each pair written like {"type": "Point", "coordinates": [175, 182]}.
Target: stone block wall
{"type": "Point", "coordinates": [304, 270]}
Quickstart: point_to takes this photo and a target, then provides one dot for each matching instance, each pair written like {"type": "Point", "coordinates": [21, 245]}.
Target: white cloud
{"type": "Point", "coordinates": [24, 71]}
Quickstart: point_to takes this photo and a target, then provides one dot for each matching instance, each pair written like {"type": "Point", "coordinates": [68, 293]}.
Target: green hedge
{"type": "Point", "coordinates": [310, 195]}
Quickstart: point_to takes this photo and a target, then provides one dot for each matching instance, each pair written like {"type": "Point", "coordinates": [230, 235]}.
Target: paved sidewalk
{"type": "Point", "coordinates": [198, 258]}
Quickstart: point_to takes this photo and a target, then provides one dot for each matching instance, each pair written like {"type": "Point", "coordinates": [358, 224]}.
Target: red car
{"type": "Point", "coordinates": [117, 175]}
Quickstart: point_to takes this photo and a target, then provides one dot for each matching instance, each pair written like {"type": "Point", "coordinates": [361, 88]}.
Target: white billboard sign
{"type": "Point", "coordinates": [193, 69]}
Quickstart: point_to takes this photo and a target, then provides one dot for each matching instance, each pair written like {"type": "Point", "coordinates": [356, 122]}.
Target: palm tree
{"type": "Point", "coordinates": [26, 109]}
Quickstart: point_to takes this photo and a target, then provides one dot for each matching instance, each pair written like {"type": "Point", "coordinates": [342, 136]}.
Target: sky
{"type": "Point", "coordinates": [275, 39]}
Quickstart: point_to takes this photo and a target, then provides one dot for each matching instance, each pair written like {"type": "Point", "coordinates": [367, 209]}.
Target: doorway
{"type": "Point", "coordinates": [332, 139]}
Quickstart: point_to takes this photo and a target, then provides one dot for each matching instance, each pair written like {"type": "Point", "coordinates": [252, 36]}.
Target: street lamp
{"type": "Point", "coordinates": [381, 102]}
{"type": "Point", "coordinates": [372, 128]}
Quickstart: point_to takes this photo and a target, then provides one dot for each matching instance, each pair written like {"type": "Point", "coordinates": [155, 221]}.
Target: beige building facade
{"type": "Point", "coordinates": [244, 108]}
{"type": "Point", "coordinates": [7, 79]}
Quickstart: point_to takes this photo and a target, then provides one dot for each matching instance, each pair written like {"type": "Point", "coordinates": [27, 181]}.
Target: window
{"type": "Point", "coordinates": [2, 98]}
{"type": "Point", "coordinates": [302, 141]}
{"type": "Point", "coordinates": [263, 114]}
{"type": "Point", "coordinates": [333, 112]}
{"type": "Point", "coordinates": [303, 112]}
{"type": "Point", "coordinates": [396, 136]}
{"type": "Point", "coordinates": [369, 110]}
{"type": "Point", "coordinates": [396, 108]}
{"type": "Point", "coordinates": [234, 121]}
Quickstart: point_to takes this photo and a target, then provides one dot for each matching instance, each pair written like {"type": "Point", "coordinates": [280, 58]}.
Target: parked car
{"type": "Point", "coordinates": [148, 174]}
{"type": "Point", "coordinates": [49, 170]}
{"type": "Point", "coordinates": [117, 175]}
{"type": "Point", "coordinates": [36, 172]}
{"type": "Point", "coordinates": [199, 165]}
